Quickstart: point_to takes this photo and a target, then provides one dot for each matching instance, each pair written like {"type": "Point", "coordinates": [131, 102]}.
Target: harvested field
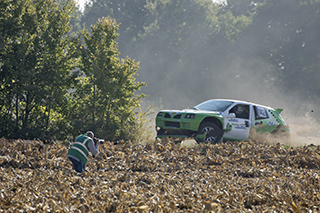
{"type": "Point", "coordinates": [161, 177]}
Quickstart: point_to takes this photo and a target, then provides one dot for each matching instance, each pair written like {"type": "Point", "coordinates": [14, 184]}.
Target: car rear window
{"type": "Point", "coordinates": [261, 113]}
{"type": "Point", "coordinates": [214, 105]}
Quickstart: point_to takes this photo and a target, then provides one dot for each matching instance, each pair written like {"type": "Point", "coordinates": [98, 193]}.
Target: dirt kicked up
{"type": "Point", "coordinates": [161, 177]}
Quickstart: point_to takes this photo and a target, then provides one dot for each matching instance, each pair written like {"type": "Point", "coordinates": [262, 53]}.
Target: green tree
{"type": "Point", "coordinates": [186, 45]}
{"type": "Point", "coordinates": [36, 60]}
{"type": "Point", "coordinates": [293, 43]}
{"type": "Point", "coordinates": [131, 15]}
{"type": "Point", "coordinates": [285, 35]}
{"type": "Point", "coordinates": [106, 98]}
{"type": "Point", "coordinates": [75, 16]}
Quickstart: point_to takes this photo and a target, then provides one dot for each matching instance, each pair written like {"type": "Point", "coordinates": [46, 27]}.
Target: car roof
{"type": "Point", "coordinates": [241, 102]}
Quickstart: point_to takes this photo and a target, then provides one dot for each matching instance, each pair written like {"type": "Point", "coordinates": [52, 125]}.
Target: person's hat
{"type": "Point", "coordinates": [90, 134]}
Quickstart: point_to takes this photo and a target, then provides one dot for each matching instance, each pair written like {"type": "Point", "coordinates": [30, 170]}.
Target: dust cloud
{"type": "Point", "coordinates": [301, 115]}
{"type": "Point", "coordinates": [242, 80]}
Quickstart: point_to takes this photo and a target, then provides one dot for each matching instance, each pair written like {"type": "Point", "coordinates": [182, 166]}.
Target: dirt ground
{"type": "Point", "coordinates": [161, 177]}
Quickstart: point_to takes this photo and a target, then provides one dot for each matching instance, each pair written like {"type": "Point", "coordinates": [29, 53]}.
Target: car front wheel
{"type": "Point", "coordinates": [212, 131]}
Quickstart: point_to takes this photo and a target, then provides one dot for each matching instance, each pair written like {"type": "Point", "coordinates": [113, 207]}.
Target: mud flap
{"type": "Point", "coordinates": [200, 136]}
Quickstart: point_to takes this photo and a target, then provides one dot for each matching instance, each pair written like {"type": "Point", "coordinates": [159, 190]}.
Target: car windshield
{"type": "Point", "coordinates": [213, 105]}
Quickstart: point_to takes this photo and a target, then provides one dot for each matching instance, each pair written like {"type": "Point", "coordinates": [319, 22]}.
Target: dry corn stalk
{"type": "Point", "coordinates": [160, 177]}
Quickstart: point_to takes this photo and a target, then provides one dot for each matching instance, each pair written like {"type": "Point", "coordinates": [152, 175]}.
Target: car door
{"type": "Point", "coordinates": [240, 124]}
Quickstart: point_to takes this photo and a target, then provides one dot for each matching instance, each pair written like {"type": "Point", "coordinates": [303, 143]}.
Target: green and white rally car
{"type": "Point", "coordinates": [221, 119]}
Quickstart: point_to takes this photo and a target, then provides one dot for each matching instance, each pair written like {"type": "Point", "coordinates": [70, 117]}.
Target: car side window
{"type": "Point", "coordinates": [260, 113]}
{"type": "Point", "coordinates": [241, 111]}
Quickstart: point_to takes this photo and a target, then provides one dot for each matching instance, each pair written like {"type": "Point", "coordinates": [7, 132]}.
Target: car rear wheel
{"type": "Point", "coordinates": [212, 131]}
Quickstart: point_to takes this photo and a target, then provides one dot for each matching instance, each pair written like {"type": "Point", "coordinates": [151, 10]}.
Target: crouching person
{"type": "Point", "coordinates": [79, 151]}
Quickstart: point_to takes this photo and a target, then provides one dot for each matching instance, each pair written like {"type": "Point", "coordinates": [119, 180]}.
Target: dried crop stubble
{"type": "Point", "coordinates": [160, 177]}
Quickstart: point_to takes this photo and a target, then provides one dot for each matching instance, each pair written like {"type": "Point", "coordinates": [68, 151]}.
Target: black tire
{"type": "Point", "coordinates": [212, 131]}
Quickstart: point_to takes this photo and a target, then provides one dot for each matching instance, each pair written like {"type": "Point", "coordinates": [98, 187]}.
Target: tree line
{"type": "Point", "coordinates": [64, 71]}
{"type": "Point", "coordinates": [55, 83]}
{"type": "Point", "coordinates": [196, 49]}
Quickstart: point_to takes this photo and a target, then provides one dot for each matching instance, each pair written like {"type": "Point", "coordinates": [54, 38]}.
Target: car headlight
{"type": "Point", "coordinates": [190, 116]}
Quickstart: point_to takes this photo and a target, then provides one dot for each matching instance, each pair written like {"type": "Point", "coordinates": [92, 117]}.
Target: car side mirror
{"type": "Point", "coordinates": [231, 115]}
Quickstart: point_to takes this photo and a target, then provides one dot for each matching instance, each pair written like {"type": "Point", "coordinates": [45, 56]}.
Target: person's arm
{"type": "Point", "coordinates": [93, 147]}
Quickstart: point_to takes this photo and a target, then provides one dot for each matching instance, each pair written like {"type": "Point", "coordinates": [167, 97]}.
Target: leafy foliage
{"type": "Point", "coordinates": [36, 59]}
{"type": "Point", "coordinates": [108, 85]}
{"type": "Point", "coordinates": [52, 85]}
